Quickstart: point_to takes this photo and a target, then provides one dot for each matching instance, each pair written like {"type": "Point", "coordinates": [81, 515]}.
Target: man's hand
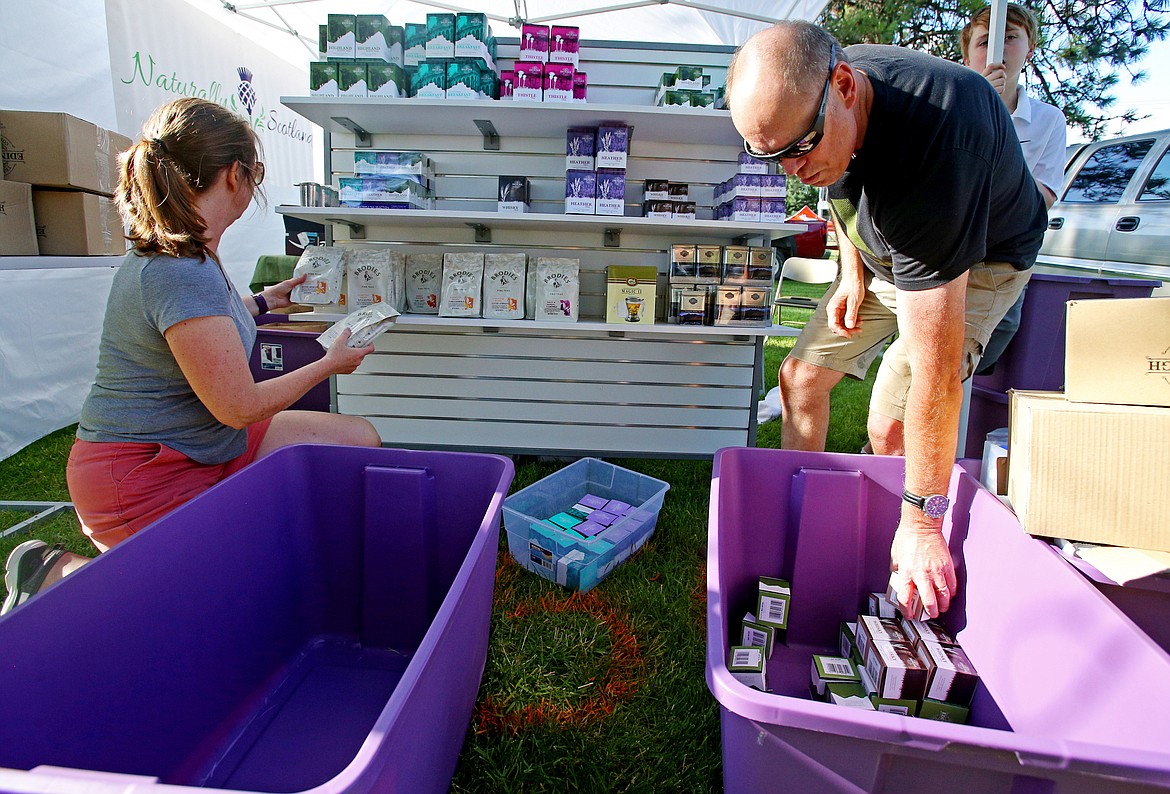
{"type": "Point", "coordinates": [843, 307]}
{"type": "Point", "coordinates": [922, 566]}
{"type": "Point", "coordinates": [996, 74]}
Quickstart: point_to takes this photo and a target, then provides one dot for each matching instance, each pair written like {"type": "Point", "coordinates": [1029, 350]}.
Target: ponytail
{"type": "Point", "coordinates": [185, 146]}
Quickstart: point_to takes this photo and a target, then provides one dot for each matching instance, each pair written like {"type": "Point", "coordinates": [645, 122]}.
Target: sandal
{"type": "Point", "coordinates": [26, 569]}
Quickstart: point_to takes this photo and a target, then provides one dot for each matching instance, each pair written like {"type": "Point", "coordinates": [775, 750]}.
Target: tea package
{"type": "Point", "coordinates": [557, 289]}
{"type": "Point", "coordinates": [367, 272]}
{"type": "Point", "coordinates": [424, 276]}
{"type": "Point", "coordinates": [462, 291]}
{"type": "Point", "coordinates": [396, 281]}
{"type": "Point", "coordinates": [503, 286]}
{"type": "Point", "coordinates": [322, 267]}
{"type": "Point", "coordinates": [365, 326]}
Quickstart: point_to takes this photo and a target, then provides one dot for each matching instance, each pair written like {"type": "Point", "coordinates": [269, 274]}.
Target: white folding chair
{"type": "Point", "coordinates": [804, 270]}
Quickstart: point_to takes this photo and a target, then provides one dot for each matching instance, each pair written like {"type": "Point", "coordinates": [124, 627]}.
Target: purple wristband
{"type": "Point", "coordinates": [261, 304]}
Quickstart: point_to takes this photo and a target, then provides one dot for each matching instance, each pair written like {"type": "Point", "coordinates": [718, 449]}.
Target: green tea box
{"type": "Point", "coordinates": [342, 41]}
{"type": "Point", "coordinates": [747, 666]}
{"type": "Point", "coordinates": [351, 79]}
{"type": "Point", "coordinates": [774, 597]}
{"type": "Point", "coordinates": [833, 669]}
{"type": "Point", "coordinates": [387, 80]}
{"type": "Point", "coordinates": [323, 78]}
{"type": "Point", "coordinates": [943, 712]}
{"type": "Point", "coordinates": [758, 634]}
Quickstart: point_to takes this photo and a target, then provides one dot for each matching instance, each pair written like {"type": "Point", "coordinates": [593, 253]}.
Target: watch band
{"type": "Point", "coordinates": [261, 303]}
{"type": "Point", "coordinates": [935, 505]}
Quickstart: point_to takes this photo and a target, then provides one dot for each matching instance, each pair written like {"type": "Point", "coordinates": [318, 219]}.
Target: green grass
{"type": "Point", "coordinates": [597, 692]}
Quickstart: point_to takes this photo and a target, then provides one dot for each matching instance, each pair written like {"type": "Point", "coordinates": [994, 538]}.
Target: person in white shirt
{"type": "Point", "coordinates": [1039, 126]}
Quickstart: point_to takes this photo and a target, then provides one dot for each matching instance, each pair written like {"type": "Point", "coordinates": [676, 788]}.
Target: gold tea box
{"type": "Point", "coordinates": [760, 261]}
{"type": "Point", "coordinates": [755, 305]}
{"type": "Point", "coordinates": [692, 307]}
{"type": "Point", "coordinates": [735, 264]}
{"type": "Point", "coordinates": [727, 305]}
{"type": "Point", "coordinates": [708, 263]}
{"type": "Point", "coordinates": [630, 292]}
{"type": "Point", "coordinates": [682, 264]}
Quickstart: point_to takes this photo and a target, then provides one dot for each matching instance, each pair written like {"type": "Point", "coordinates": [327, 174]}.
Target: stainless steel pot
{"type": "Point", "coordinates": [312, 194]}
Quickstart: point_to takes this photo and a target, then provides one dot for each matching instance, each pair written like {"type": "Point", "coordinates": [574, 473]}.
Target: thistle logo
{"type": "Point", "coordinates": [12, 156]}
{"type": "Point", "coordinates": [245, 90]}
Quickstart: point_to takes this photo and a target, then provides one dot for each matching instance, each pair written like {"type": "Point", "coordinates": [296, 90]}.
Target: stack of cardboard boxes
{"type": "Point", "coordinates": [1090, 463]}
{"type": "Point", "coordinates": [59, 176]}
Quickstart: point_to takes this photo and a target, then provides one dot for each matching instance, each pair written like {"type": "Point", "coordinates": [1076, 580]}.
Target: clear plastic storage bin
{"type": "Point", "coordinates": [564, 556]}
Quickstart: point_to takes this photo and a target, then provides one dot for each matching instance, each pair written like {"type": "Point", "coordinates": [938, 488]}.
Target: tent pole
{"type": "Point", "coordinates": [996, 29]}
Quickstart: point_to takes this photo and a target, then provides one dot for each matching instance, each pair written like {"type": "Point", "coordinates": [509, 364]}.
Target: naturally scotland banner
{"type": "Point", "coordinates": [241, 98]}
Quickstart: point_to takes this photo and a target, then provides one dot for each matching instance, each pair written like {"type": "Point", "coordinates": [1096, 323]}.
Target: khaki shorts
{"type": "Point", "coordinates": [992, 288]}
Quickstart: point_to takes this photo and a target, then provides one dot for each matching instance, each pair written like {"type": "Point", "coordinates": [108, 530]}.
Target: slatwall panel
{"type": "Point", "coordinates": [584, 389]}
{"type": "Point", "coordinates": [523, 390]}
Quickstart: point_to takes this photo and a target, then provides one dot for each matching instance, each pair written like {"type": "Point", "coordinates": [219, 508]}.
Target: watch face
{"type": "Point", "coordinates": [936, 506]}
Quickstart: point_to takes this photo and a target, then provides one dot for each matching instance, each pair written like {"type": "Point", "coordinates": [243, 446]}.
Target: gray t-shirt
{"type": "Point", "coordinates": [140, 394]}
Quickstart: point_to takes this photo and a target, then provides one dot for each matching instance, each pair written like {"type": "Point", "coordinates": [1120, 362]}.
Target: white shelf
{"type": "Point", "coordinates": [690, 331]}
{"type": "Point", "coordinates": [58, 262]}
{"type": "Point", "coordinates": [538, 220]}
{"type": "Point", "coordinates": [514, 119]}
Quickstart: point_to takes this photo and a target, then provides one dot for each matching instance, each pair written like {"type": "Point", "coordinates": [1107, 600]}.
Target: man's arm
{"type": "Point", "coordinates": [931, 323]}
{"type": "Point", "coordinates": [846, 301]}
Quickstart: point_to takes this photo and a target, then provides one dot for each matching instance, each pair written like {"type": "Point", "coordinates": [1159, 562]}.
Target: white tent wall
{"type": "Point", "coordinates": [112, 62]}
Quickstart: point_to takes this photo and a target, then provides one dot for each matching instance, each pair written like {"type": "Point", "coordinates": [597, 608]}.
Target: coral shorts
{"type": "Point", "coordinates": [119, 488]}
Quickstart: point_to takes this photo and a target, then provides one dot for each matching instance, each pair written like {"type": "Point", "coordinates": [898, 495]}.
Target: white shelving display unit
{"type": "Point", "coordinates": [544, 387]}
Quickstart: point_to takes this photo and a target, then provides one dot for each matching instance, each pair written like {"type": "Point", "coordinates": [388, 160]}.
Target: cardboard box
{"type": "Point", "coordinates": [18, 233]}
{"type": "Point", "coordinates": [1088, 471]}
{"type": "Point", "coordinates": [1133, 368]}
{"type": "Point", "coordinates": [75, 223]}
{"type": "Point", "coordinates": [59, 150]}
{"type": "Point", "coordinates": [630, 293]}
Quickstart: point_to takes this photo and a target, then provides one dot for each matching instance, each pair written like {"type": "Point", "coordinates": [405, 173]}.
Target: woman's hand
{"type": "Point", "coordinates": [278, 294]}
{"type": "Point", "coordinates": [343, 359]}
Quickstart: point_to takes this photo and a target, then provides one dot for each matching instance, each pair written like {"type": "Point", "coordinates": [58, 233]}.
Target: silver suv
{"type": "Point", "coordinates": [1113, 214]}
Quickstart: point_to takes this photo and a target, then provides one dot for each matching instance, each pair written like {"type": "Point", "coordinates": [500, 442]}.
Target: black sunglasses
{"type": "Point", "coordinates": [809, 140]}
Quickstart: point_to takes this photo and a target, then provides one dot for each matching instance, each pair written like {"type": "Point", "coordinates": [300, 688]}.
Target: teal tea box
{"type": "Point", "coordinates": [440, 35]}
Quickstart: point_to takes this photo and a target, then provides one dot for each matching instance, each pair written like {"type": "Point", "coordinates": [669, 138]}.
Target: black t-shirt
{"type": "Point", "coordinates": [940, 182]}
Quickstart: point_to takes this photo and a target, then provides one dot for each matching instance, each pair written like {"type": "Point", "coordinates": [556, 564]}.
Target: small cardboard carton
{"type": "Point", "coordinates": [747, 666]}
{"type": "Point", "coordinates": [529, 81]}
{"type": "Point", "coordinates": [774, 601]}
{"type": "Point", "coordinates": [896, 671]}
{"type": "Point", "coordinates": [682, 264]}
{"type": "Point", "coordinates": [1091, 472]}
{"type": "Point", "coordinates": [1134, 367]}
{"type": "Point", "coordinates": [950, 675]}
{"type": "Point", "coordinates": [414, 42]}
{"type": "Point", "coordinates": [579, 148]}
{"type": "Point", "coordinates": [871, 628]}
{"type": "Point", "coordinates": [832, 669]}
{"type": "Point", "coordinates": [580, 87]}
{"type": "Point", "coordinates": [580, 192]}
{"type": "Point", "coordinates": [557, 83]}
{"type": "Point", "coordinates": [943, 712]}
{"type": "Point", "coordinates": [18, 233]}
{"type": "Point", "coordinates": [564, 44]}
{"type": "Point", "coordinates": [534, 43]}
{"type": "Point", "coordinates": [342, 31]}
{"type": "Point", "coordinates": [351, 80]}
{"type": "Point", "coordinates": [630, 294]}
{"type": "Point", "coordinates": [374, 37]}
{"type": "Point", "coordinates": [59, 150]}
{"type": "Point", "coordinates": [762, 635]}
{"type": "Point", "coordinates": [323, 78]}
{"type": "Point", "coordinates": [75, 223]}
{"type": "Point", "coordinates": [611, 191]}
{"type": "Point", "coordinates": [919, 631]}
{"type": "Point", "coordinates": [613, 145]}
{"type": "Point", "coordinates": [513, 194]}
{"type": "Point", "coordinates": [440, 36]}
